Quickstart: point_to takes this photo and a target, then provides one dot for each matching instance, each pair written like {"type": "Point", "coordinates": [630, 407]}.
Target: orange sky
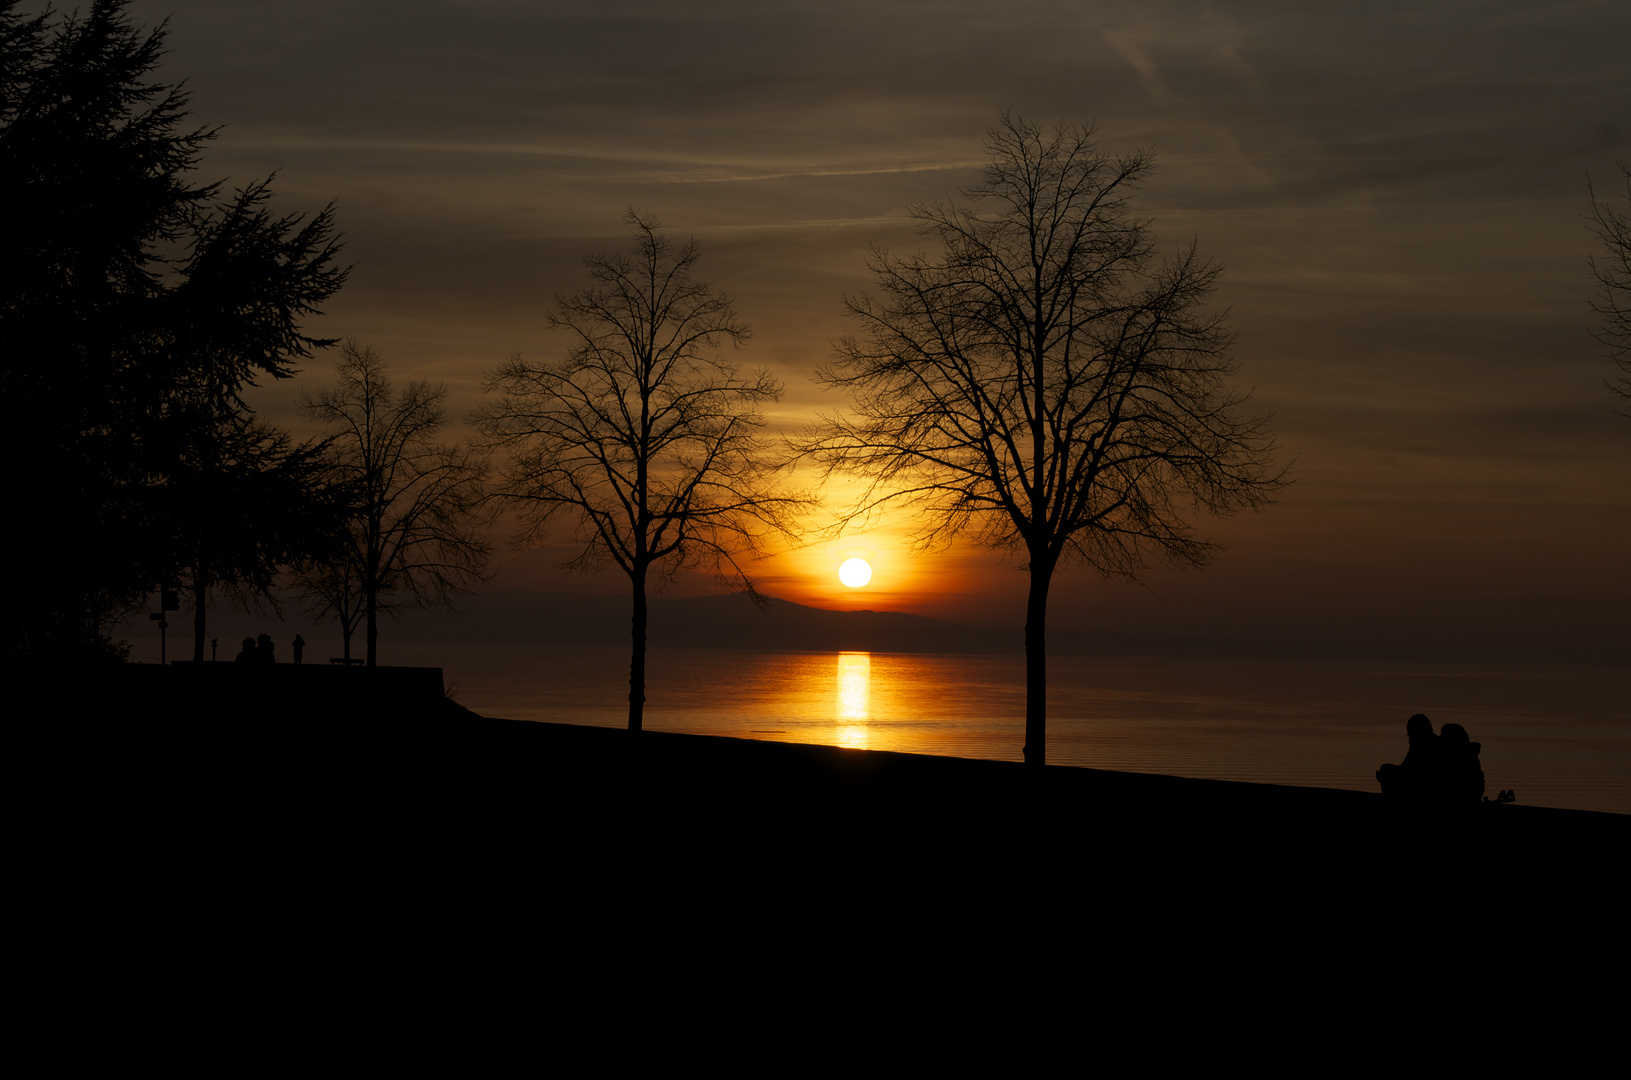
{"type": "Point", "coordinates": [1396, 194]}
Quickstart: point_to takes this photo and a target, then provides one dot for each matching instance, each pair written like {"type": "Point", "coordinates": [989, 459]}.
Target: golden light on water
{"type": "Point", "coordinates": [854, 685]}
{"type": "Point", "coordinates": [855, 573]}
{"type": "Point", "coordinates": [854, 698]}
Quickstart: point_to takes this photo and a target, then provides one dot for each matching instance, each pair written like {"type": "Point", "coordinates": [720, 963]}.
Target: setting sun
{"type": "Point", "coordinates": [855, 573]}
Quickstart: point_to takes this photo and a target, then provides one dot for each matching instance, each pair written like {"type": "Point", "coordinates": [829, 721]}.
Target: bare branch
{"type": "Point", "coordinates": [1613, 276]}
{"type": "Point", "coordinates": [1047, 383]}
{"type": "Point", "coordinates": [642, 437]}
{"type": "Point", "coordinates": [417, 503]}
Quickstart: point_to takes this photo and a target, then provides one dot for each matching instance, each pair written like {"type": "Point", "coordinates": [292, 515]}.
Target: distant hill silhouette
{"type": "Point", "coordinates": [732, 621]}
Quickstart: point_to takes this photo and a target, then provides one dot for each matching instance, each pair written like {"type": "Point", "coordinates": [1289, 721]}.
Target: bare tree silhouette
{"type": "Point", "coordinates": [1046, 384]}
{"type": "Point", "coordinates": [642, 435]}
{"type": "Point", "coordinates": [332, 585]}
{"type": "Point", "coordinates": [1613, 275]}
{"type": "Point", "coordinates": [414, 533]}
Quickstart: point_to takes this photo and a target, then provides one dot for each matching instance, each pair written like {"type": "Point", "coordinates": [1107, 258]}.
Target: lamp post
{"type": "Point", "coordinates": [169, 600]}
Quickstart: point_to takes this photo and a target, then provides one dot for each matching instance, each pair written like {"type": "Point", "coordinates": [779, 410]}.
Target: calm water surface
{"type": "Point", "coordinates": [1558, 736]}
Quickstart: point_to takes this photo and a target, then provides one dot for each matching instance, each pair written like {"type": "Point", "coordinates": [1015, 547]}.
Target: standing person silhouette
{"type": "Point", "coordinates": [299, 648]}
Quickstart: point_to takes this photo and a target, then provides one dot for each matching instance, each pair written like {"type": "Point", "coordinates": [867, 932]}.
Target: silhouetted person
{"type": "Point", "coordinates": [299, 648]}
{"type": "Point", "coordinates": [247, 654]}
{"type": "Point", "coordinates": [1420, 760]}
{"type": "Point", "coordinates": [1463, 777]}
{"type": "Point", "coordinates": [264, 650]}
{"type": "Point", "coordinates": [1439, 768]}
{"type": "Point", "coordinates": [213, 643]}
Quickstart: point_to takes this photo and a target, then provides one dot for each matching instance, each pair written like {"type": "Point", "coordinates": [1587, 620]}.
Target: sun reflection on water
{"type": "Point", "coordinates": [854, 698]}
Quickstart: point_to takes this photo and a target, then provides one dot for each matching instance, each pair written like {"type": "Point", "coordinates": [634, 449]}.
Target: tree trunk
{"type": "Point", "coordinates": [201, 601]}
{"type": "Point", "coordinates": [1036, 663]}
{"type": "Point", "coordinates": [637, 653]}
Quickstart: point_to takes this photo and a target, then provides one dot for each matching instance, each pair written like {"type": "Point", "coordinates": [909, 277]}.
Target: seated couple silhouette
{"type": "Point", "coordinates": [1441, 768]}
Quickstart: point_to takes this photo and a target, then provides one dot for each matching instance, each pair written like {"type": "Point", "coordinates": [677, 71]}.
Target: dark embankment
{"type": "Point", "coordinates": [340, 767]}
{"type": "Point", "coordinates": [326, 836]}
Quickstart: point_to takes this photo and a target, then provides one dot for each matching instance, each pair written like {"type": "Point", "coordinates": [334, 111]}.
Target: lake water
{"type": "Point", "coordinates": [1558, 736]}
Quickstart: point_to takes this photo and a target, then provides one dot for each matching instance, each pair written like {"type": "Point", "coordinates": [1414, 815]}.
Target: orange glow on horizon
{"type": "Point", "coordinates": [824, 575]}
{"type": "Point", "coordinates": [934, 583]}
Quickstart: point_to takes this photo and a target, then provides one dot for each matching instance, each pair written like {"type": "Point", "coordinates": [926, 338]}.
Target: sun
{"type": "Point", "coordinates": [855, 573]}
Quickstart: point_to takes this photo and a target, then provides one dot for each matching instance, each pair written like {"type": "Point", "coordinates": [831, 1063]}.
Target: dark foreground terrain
{"type": "Point", "coordinates": [325, 854]}
{"type": "Point", "coordinates": [321, 845]}
{"type": "Point", "coordinates": [342, 769]}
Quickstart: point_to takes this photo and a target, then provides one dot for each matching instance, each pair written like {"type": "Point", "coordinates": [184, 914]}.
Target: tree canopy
{"type": "Point", "coordinates": [135, 305]}
{"type": "Point", "coordinates": [643, 437]}
{"type": "Point", "coordinates": [1047, 383]}
{"type": "Point", "coordinates": [414, 503]}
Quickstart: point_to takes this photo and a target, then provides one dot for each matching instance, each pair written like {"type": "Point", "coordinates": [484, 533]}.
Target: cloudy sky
{"type": "Point", "coordinates": [1396, 191]}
